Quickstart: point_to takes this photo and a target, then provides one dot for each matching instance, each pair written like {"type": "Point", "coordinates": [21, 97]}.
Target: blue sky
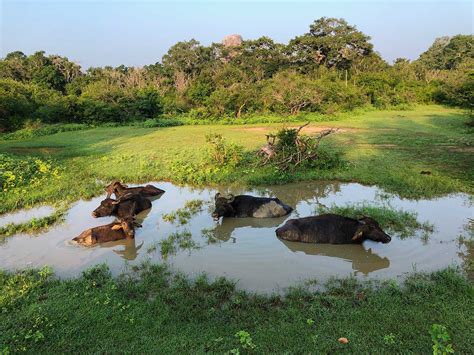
{"type": "Point", "coordinates": [97, 33]}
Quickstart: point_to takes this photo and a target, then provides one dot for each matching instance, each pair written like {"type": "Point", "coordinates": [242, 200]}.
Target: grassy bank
{"type": "Point", "coordinates": [153, 311]}
{"type": "Point", "coordinates": [386, 148]}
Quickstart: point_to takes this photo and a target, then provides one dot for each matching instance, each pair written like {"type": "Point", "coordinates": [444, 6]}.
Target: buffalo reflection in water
{"type": "Point", "coordinates": [130, 250]}
{"type": "Point", "coordinates": [363, 261]}
{"type": "Point", "coordinates": [224, 230]}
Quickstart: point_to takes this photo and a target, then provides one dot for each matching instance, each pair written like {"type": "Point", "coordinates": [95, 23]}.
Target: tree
{"type": "Point", "coordinates": [184, 61]}
{"type": "Point", "coordinates": [16, 104]}
{"type": "Point", "coordinates": [15, 66]}
{"type": "Point", "coordinates": [331, 42]}
{"type": "Point", "coordinates": [233, 100]}
{"type": "Point", "coordinates": [260, 58]}
{"type": "Point", "coordinates": [289, 92]}
{"type": "Point", "coordinates": [448, 53]}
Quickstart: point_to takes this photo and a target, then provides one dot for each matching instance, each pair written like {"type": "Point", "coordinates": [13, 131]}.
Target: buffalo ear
{"type": "Point", "coordinates": [117, 227]}
{"type": "Point", "coordinates": [217, 196]}
{"type": "Point", "coordinates": [231, 198]}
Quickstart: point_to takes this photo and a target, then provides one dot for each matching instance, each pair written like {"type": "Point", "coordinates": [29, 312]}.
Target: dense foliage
{"type": "Point", "coordinates": [331, 68]}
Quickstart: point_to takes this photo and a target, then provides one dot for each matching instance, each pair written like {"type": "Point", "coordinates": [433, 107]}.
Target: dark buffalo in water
{"type": "Point", "coordinates": [249, 206]}
{"type": "Point", "coordinates": [125, 206]}
{"type": "Point", "coordinates": [118, 230]}
{"type": "Point", "coordinates": [333, 229]}
{"type": "Point", "coordinates": [120, 190]}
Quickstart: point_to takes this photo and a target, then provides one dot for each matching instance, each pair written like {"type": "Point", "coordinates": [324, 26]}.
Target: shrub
{"type": "Point", "coordinates": [220, 152]}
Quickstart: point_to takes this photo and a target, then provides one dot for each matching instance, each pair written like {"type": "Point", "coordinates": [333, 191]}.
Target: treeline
{"type": "Point", "coordinates": [331, 68]}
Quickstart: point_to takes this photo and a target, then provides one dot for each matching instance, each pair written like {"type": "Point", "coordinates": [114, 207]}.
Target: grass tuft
{"type": "Point", "coordinates": [399, 222]}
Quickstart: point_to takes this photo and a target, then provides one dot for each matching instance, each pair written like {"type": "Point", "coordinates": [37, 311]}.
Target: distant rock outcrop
{"type": "Point", "coordinates": [232, 40]}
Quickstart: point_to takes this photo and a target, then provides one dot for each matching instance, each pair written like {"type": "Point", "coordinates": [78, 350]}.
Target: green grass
{"type": "Point", "coordinates": [402, 223]}
{"type": "Point", "coordinates": [35, 224]}
{"type": "Point", "coordinates": [385, 148]}
{"type": "Point", "coordinates": [151, 310]}
{"type": "Point", "coordinates": [154, 311]}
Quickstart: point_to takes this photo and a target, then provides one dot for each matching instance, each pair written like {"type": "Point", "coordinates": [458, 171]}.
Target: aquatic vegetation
{"type": "Point", "coordinates": [399, 222]}
{"type": "Point", "coordinates": [209, 235]}
{"type": "Point", "coordinates": [177, 241]}
{"type": "Point", "coordinates": [183, 215]}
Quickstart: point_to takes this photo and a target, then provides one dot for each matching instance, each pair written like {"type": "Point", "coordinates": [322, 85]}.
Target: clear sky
{"type": "Point", "coordinates": [97, 33]}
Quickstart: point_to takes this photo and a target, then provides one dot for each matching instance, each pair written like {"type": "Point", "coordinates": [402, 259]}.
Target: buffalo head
{"type": "Point", "coordinates": [128, 225]}
{"type": "Point", "coordinates": [369, 229]}
{"type": "Point", "coordinates": [113, 187]}
{"type": "Point", "coordinates": [223, 206]}
{"type": "Point", "coordinates": [107, 207]}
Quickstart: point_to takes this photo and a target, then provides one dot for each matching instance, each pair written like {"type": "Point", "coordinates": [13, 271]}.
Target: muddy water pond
{"type": "Point", "coordinates": [247, 250]}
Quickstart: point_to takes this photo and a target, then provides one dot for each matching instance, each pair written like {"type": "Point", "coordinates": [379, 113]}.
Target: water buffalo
{"type": "Point", "coordinates": [119, 190]}
{"type": "Point", "coordinates": [127, 205]}
{"type": "Point", "coordinates": [249, 206]}
{"type": "Point", "coordinates": [333, 229]}
{"type": "Point", "coordinates": [122, 229]}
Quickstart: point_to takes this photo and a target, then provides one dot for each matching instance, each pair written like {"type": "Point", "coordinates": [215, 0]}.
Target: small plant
{"type": "Point", "coordinates": [220, 152]}
{"type": "Point", "coordinates": [209, 235]}
{"type": "Point", "coordinates": [441, 340]}
{"type": "Point", "coordinates": [177, 241]}
{"type": "Point", "coordinates": [152, 248]}
{"type": "Point", "coordinates": [389, 339]}
{"type": "Point", "coordinates": [245, 339]}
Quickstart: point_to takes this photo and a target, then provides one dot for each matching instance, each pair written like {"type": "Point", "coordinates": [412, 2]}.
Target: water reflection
{"type": "Point", "coordinates": [297, 193]}
{"type": "Point", "coordinates": [363, 261]}
{"type": "Point", "coordinates": [130, 250]}
{"type": "Point", "coordinates": [250, 252]}
{"type": "Point", "coordinates": [224, 230]}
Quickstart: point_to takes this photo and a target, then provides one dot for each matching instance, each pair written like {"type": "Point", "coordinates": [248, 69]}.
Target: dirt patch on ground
{"type": "Point", "coordinates": [305, 130]}
{"type": "Point", "coordinates": [254, 129]}
{"type": "Point", "coordinates": [461, 149]}
{"type": "Point", "coordinates": [377, 145]}
{"type": "Point", "coordinates": [34, 150]}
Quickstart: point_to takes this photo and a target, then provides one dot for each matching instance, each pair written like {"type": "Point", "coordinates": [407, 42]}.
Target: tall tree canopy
{"type": "Point", "coordinates": [331, 42]}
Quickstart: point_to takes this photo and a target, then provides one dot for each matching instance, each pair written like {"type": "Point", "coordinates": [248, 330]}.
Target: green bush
{"type": "Point", "coordinates": [160, 122]}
